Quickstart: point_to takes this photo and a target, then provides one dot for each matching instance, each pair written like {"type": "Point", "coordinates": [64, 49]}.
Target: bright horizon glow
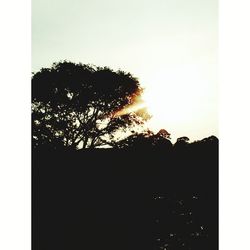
{"type": "Point", "coordinates": [172, 102]}
{"type": "Point", "coordinates": [170, 45]}
{"type": "Point", "coordinates": [177, 103]}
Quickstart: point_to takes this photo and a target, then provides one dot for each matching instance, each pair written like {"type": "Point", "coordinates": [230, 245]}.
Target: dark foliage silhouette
{"type": "Point", "coordinates": [76, 105]}
{"type": "Point", "coordinates": [128, 199]}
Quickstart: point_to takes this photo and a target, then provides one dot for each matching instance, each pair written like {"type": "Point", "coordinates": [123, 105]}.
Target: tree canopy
{"type": "Point", "coordinates": [76, 105]}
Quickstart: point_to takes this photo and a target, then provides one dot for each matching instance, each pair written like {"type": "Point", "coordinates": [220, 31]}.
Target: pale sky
{"type": "Point", "coordinates": [170, 45]}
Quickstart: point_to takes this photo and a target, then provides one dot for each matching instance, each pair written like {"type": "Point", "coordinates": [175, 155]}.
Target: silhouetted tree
{"type": "Point", "coordinates": [77, 106]}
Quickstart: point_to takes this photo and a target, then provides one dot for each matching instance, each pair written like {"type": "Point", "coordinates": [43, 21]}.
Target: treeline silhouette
{"type": "Point", "coordinates": [101, 180]}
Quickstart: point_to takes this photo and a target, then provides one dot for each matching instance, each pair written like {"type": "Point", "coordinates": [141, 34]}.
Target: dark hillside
{"type": "Point", "coordinates": [126, 199]}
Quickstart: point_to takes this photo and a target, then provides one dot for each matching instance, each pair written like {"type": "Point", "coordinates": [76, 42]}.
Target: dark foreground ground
{"type": "Point", "coordinates": [125, 200]}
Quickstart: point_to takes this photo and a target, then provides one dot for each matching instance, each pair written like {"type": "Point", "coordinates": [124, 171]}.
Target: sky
{"type": "Point", "coordinates": [169, 45]}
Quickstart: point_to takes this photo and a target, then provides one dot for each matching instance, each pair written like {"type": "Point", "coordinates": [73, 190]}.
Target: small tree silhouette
{"type": "Point", "coordinates": [76, 105]}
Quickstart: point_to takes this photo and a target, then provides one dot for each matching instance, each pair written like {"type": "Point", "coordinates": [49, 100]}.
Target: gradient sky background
{"type": "Point", "coordinates": [170, 45]}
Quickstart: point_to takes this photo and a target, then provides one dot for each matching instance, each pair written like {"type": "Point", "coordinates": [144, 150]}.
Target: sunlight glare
{"type": "Point", "coordinates": [172, 97]}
